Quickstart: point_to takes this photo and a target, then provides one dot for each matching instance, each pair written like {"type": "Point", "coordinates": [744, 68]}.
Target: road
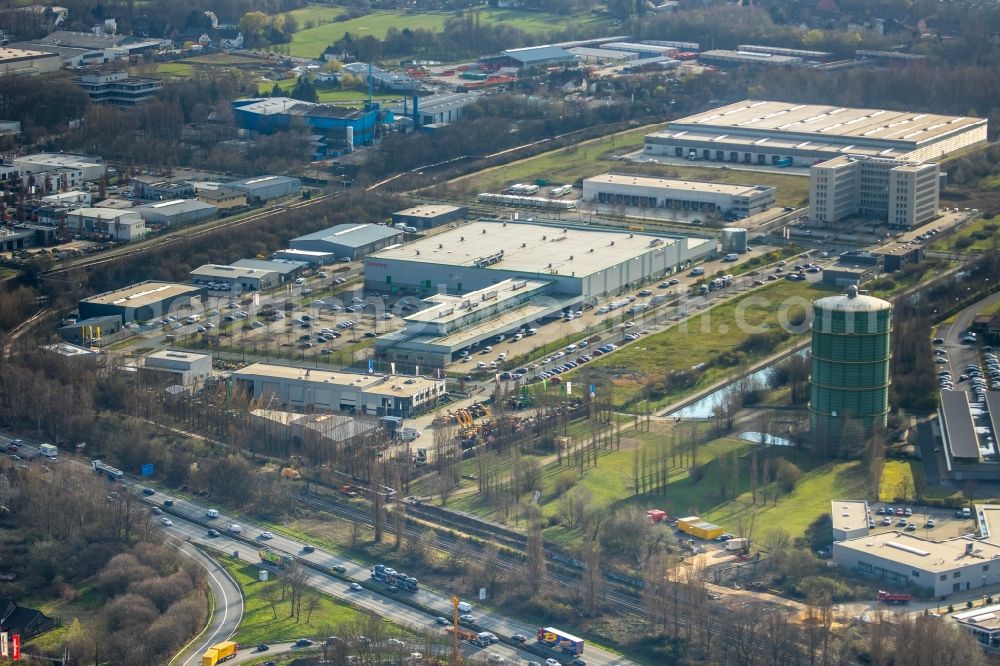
{"type": "Point", "coordinates": [228, 607]}
{"type": "Point", "coordinates": [184, 513]}
{"type": "Point", "coordinates": [383, 604]}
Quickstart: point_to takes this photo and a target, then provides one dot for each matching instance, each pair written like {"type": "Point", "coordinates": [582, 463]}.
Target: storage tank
{"type": "Point", "coordinates": [734, 239]}
{"type": "Point", "coordinates": [850, 363]}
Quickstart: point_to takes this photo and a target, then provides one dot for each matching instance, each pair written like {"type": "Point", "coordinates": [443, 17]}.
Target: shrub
{"type": "Point", "coordinates": [564, 482]}
{"type": "Point", "coordinates": [963, 242]}
{"type": "Point", "coordinates": [787, 474]}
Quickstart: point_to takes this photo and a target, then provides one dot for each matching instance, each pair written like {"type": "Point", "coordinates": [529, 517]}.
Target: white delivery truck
{"type": "Point", "coordinates": [49, 451]}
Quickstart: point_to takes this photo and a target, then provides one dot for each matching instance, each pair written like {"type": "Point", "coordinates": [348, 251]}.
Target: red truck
{"type": "Point", "coordinates": [891, 598]}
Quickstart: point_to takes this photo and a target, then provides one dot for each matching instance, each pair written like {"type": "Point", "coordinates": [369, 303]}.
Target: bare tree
{"type": "Point", "coordinates": [535, 553]}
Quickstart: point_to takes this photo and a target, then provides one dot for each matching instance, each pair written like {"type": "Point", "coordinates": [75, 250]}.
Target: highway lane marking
{"type": "Point", "coordinates": [225, 614]}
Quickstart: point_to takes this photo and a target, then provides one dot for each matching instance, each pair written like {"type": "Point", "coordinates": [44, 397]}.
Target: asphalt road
{"type": "Point", "coordinates": [961, 355]}
{"type": "Point", "coordinates": [382, 604]}
{"type": "Point", "coordinates": [228, 607]}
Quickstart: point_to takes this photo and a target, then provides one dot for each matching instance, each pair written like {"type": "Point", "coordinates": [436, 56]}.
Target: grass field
{"type": "Point", "coordinates": [590, 158]}
{"type": "Point", "coordinates": [310, 42]}
{"type": "Point", "coordinates": [985, 234]}
{"type": "Point", "coordinates": [178, 69]}
{"type": "Point", "coordinates": [700, 338]}
{"type": "Point", "coordinates": [610, 486]}
{"type": "Point", "coordinates": [326, 95]}
{"type": "Point", "coordinates": [897, 481]}
{"type": "Point", "coordinates": [259, 624]}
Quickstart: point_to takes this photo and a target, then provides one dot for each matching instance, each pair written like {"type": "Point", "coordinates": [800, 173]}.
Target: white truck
{"type": "Point", "coordinates": [738, 543]}
{"type": "Point", "coordinates": [48, 450]}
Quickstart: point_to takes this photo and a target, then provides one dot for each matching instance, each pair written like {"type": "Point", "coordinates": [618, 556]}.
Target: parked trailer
{"type": "Point", "coordinates": [560, 641]}
{"type": "Point", "coordinates": [695, 526]}
{"type": "Point", "coordinates": [107, 470]}
{"type": "Point", "coordinates": [219, 653]}
{"type": "Point", "coordinates": [560, 191]}
{"type": "Point", "coordinates": [525, 201]}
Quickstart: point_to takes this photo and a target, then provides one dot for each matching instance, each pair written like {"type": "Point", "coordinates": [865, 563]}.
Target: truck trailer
{"type": "Point", "coordinates": [697, 527]}
{"type": "Point", "coordinates": [107, 470]}
{"type": "Point", "coordinates": [560, 641]}
{"type": "Point", "coordinates": [219, 653]}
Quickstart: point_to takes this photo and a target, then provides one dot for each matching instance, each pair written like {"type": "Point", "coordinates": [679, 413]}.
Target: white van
{"type": "Point", "coordinates": [570, 348]}
{"type": "Point", "coordinates": [212, 513]}
{"type": "Point", "coordinates": [731, 257]}
{"type": "Point", "coordinates": [464, 607]}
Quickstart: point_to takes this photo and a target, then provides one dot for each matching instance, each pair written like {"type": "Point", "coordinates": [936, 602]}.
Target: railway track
{"type": "Point", "coordinates": [183, 236]}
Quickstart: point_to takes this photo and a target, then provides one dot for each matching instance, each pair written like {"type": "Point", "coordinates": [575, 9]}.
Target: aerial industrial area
{"type": "Point", "coordinates": [517, 333]}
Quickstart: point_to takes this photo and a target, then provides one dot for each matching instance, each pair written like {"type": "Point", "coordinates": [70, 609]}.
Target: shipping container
{"type": "Point", "coordinates": [697, 527]}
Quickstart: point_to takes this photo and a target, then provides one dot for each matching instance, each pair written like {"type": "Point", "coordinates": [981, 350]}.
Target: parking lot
{"type": "Point", "coordinates": [946, 524]}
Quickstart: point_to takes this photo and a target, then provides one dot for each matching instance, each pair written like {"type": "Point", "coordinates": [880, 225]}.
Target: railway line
{"type": "Point", "coordinates": [183, 235]}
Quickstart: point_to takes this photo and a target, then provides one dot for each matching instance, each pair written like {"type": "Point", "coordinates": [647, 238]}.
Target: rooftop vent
{"type": "Point", "coordinates": [440, 246]}
{"type": "Point", "coordinates": [484, 230]}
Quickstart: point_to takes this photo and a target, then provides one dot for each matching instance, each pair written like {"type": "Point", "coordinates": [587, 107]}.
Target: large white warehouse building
{"type": "Point", "coordinates": [760, 132]}
{"type": "Point", "coordinates": [577, 261]}
{"type": "Point", "coordinates": [645, 192]}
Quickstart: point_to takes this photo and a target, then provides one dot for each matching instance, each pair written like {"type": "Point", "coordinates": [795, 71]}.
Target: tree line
{"type": "Point", "coordinates": [64, 527]}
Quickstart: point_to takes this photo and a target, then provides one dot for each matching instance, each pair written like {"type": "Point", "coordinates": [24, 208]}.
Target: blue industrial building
{"type": "Point", "coordinates": [271, 114]}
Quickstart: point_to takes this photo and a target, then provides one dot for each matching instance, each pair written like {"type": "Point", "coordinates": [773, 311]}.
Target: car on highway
{"type": "Point", "coordinates": [356, 587]}
{"type": "Point", "coordinates": [167, 522]}
{"type": "Point", "coordinates": [552, 662]}
{"type": "Point", "coordinates": [495, 658]}
{"type": "Point", "coordinates": [339, 568]}
{"type": "Point", "coordinates": [519, 638]}
{"type": "Point", "coordinates": [234, 528]}
{"type": "Point", "coordinates": [157, 511]}
{"type": "Point", "coordinates": [308, 549]}
{"type": "Point", "coordinates": [148, 491]}
{"type": "Point", "coordinates": [266, 535]}
{"type": "Point", "coordinates": [441, 621]}
{"type": "Point", "coordinates": [467, 617]}
{"type": "Point", "coordinates": [213, 533]}
{"type": "Point", "coordinates": [263, 647]}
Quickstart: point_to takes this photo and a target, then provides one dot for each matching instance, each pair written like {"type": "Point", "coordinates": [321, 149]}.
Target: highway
{"type": "Point", "coordinates": [383, 604]}
{"type": "Point", "coordinates": [228, 607]}
{"type": "Point", "coordinates": [187, 515]}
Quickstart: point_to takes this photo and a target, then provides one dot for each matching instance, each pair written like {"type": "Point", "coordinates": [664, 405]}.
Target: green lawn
{"type": "Point", "coordinates": [590, 158]}
{"type": "Point", "coordinates": [699, 339]}
{"type": "Point", "coordinates": [310, 42]}
{"type": "Point", "coordinates": [259, 624]}
{"type": "Point", "coordinates": [326, 94]}
{"type": "Point", "coordinates": [984, 232]}
{"type": "Point", "coordinates": [564, 165]}
{"type": "Point", "coordinates": [175, 69]}
{"type": "Point", "coordinates": [897, 481]}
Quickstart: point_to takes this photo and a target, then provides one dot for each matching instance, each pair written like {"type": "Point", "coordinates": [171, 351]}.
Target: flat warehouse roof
{"type": "Point", "coordinates": [532, 248]}
{"type": "Point", "coordinates": [671, 183]}
{"type": "Point", "coordinates": [849, 514]}
{"type": "Point", "coordinates": [380, 384]}
{"type": "Point", "coordinates": [908, 550]}
{"type": "Point", "coordinates": [449, 307]}
{"type": "Point", "coordinates": [428, 210]}
{"type": "Point", "coordinates": [820, 120]}
{"type": "Point", "coordinates": [217, 270]}
{"type": "Point", "coordinates": [958, 420]}
{"type": "Point", "coordinates": [144, 293]}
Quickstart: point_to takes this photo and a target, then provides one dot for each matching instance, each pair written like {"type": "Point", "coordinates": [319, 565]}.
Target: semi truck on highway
{"type": "Point", "coordinates": [390, 576]}
{"type": "Point", "coordinates": [107, 470]}
{"type": "Point", "coordinates": [219, 653]}
{"type": "Point", "coordinates": [560, 641]}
